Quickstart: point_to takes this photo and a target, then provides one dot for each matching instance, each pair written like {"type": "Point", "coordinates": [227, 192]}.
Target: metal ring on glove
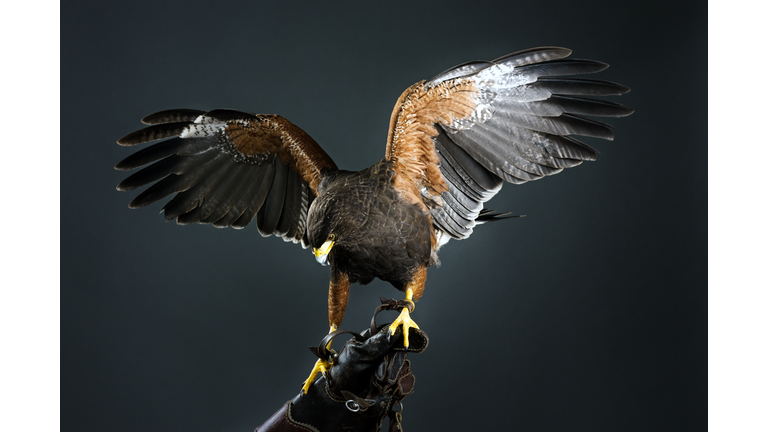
{"type": "Point", "coordinates": [352, 406]}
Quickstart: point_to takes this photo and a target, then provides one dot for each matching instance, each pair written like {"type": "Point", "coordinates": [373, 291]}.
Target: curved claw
{"type": "Point", "coordinates": [405, 320]}
{"type": "Point", "coordinates": [321, 366]}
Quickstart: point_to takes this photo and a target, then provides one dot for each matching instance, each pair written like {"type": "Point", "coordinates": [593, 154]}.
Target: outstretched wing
{"type": "Point", "coordinates": [226, 168]}
{"type": "Point", "coordinates": [455, 138]}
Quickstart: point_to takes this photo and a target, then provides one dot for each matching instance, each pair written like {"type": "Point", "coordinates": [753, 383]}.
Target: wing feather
{"type": "Point", "coordinates": [579, 86]}
{"type": "Point", "coordinates": [455, 137]}
{"type": "Point", "coordinates": [154, 133]}
{"type": "Point", "coordinates": [207, 202]}
{"type": "Point", "coordinates": [226, 167]}
{"type": "Point", "coordinates": [196, 196]}
{"type": "Point", "coordinates": [269, 215]}
{"type": "Point", "coordinates": [150, 154]}
{"type": "Point", "coordinates": [174, 183]}
{"type": "Point", "coordinates": [258, 199]}
{"type": "Point", "coordinates": [471, 171]}
{"type": "Point", "coordinates": [172, 116]}
{"type": "Point", "coordinates": [458, 182]}
{"type": "Point", "coordinates": [246, 199]}
{"type": "Point", "coordinates": [230, 189]}
{"type": "Point", "coordinates": [288, 225]}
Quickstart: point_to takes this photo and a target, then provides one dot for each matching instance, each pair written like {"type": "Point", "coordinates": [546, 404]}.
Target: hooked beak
{"type": "Point", "coordinates": [321, 253]}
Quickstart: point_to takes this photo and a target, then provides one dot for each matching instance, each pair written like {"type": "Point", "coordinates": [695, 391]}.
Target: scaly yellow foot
{"type": "Point", "coordinates": [405, 320]}
{"type": "Point", "coordinates": [321, 366]}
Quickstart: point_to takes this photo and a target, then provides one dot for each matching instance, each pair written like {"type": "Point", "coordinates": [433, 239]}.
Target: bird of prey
{"type": "Point", "coordinates": [453, 141]}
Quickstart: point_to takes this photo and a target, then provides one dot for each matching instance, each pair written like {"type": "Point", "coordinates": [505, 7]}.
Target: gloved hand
{"type": "Point", "coordinates": [368, 379]}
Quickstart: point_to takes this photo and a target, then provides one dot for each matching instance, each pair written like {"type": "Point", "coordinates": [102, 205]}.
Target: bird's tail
{"type": "Point", "coordinates": [487, 215]}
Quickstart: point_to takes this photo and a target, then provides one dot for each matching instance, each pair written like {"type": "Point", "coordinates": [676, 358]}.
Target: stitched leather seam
{"type": "Point", "coordinates": [298, 424]}
{"type": "Point", "coordinates": [331, 395]}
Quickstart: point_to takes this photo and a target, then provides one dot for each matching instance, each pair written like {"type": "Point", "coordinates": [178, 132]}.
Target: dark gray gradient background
{"type": "Point", "coordinates": [587, 315]}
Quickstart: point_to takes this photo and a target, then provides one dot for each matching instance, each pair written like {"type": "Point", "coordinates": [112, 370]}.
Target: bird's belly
{"type": "Point", "coordinates": [392, 249]}
{"type": "Point", "coordinates": [391, 262]}
{"type": "Point", "coordinates": [381, 234]}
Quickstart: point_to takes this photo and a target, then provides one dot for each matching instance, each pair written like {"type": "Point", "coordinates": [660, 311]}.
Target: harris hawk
{"type": "Point", "coordinates": [453, 141]}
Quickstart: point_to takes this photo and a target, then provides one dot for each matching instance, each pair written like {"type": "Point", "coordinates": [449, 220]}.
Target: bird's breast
{"type": "Point", "coordinates": [392, 238]}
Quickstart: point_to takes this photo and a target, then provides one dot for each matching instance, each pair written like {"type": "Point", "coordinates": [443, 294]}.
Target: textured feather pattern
{"type": "Point", "coordinates": [154, 133]}
{"type": "Point", "coordinates": [258, 198]}
{"type": "Point", "coordinates": [510, 119]}
{"type": "Point", "coordinates": [269, 215]}
{"type": "Point", "coordinates": [226, 168]}
{"type": "Point", "coordinates": [172, 116]}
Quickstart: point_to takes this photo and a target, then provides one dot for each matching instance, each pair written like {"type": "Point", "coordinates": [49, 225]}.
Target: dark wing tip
{"type": "Point", "coordinates": [624, 89]}
{"type": "Point", "coordinates": [487, 215]}
{"type": "Point", "coordinates": [128, 139]}
{"type": "Point", "coordinates": [619, 89]}
{"type": "Point", "coordinates": [153, 133]}
{"type": "Point", "coordinates": [537, 54]}
{"type": "Point", "coordinates": [172, 116]}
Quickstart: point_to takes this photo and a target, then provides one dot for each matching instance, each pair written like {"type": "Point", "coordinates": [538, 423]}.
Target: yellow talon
{"type": "Point", "coordinates": [407, 323]}
{"type": "Point", "coordinates": [405, 320]}
{"type": "Point", "coordinates": [321, 366]}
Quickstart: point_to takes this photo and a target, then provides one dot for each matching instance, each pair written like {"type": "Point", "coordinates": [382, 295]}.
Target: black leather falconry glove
{"type": "Point", "coordinates": [368, 379]}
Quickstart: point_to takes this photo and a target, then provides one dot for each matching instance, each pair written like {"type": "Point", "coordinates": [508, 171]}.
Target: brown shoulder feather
{"type": "Point", "coordinates": [269, 133]}
{"type": "Point", "coordinates": [412, 127]}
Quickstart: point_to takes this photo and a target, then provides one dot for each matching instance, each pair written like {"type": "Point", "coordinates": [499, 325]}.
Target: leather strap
{"type": "Point", "coordinates": [390, 304]}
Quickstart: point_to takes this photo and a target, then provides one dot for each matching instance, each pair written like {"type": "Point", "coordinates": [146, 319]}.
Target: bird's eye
{"type": "Point", "coordinates": [331, 237]}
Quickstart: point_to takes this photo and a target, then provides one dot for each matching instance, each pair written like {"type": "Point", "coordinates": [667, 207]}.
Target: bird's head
{"type": "Point", "coordinates": [327, 227]}
{"type": "Point", "coordinates": [335, 217]}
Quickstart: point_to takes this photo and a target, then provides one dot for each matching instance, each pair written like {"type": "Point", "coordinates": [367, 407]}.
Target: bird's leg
{"type": "Point", "coordinates": [338, 293]}
{"type": "Point", "coordinates": [321, 366]}
{"type": "Point", "coordinates": [405, 318]}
